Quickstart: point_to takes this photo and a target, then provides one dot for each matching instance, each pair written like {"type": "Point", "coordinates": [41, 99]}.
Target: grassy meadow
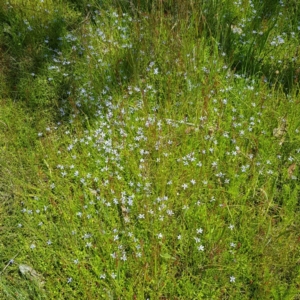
{"type": "Point", "coordinates": [149, 149]}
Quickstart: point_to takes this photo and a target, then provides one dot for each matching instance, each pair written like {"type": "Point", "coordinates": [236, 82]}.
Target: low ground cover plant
{"type": "Point", "coordinates": [149, 150]}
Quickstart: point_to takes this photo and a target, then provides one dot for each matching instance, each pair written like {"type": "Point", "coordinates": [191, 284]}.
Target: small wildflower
{"type": "Point", "coordinates": [170, 212]}
{"type": "Point", "coordinates": [232, 279]}
{"type": "Point", "coordinates": [160, 236]}
{"type": "Point", "coordinates": [201, 248]}
{"type": "Point", "coordinates": [124, 257]}
{"type": "Point", "coordinates": [184, 186]}
{"type": "Point", "coordinates": [231, 226]}
{"type": "Point", "coordinates": [200, 230]}
{"type": "Point", "coordinates": [214, 164]}
{"type": "Point", "coordinates": [197, 240]}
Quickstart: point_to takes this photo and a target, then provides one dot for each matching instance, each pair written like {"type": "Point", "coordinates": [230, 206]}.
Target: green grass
{"type": "Point", "coordinates": [149, 150]}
